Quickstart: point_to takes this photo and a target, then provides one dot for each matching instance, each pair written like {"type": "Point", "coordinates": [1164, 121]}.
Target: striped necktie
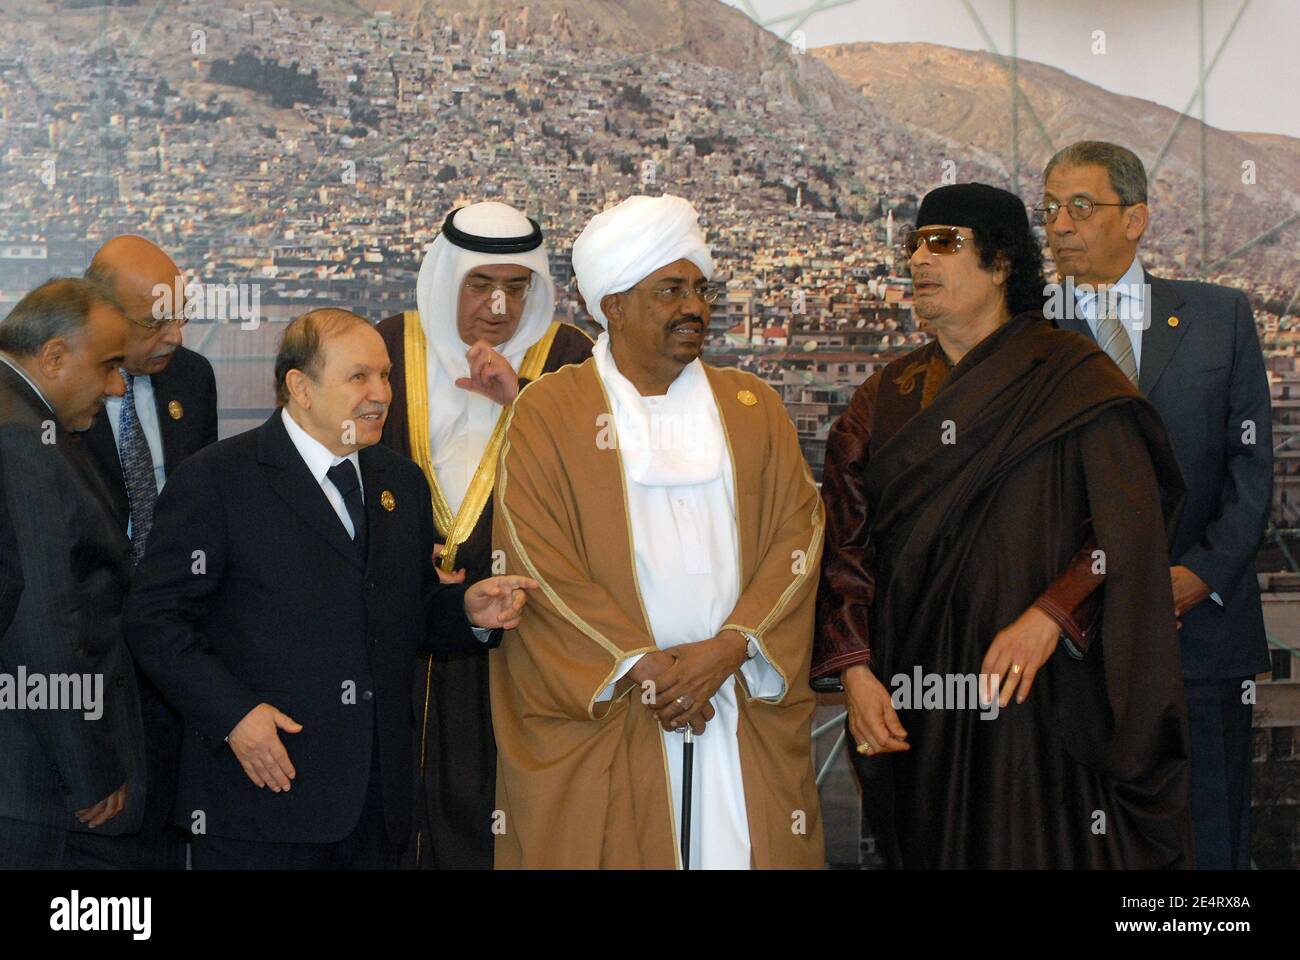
{"type": "Point", "coordinates": [1114, 339]}
{"type": "Point", "coordinates": [137, 470]}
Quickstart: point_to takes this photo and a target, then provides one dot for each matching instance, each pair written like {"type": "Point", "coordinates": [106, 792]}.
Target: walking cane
{"type": "Point", "coordinates": [688, 768]}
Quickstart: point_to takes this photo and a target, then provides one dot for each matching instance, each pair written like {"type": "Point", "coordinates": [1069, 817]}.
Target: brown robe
{"type": "Point", "coordinates": [455, 753]}
{"type": "Point", "coordinates": [583, 783]}
{"type": "Point", "coordinates": [961, 532]}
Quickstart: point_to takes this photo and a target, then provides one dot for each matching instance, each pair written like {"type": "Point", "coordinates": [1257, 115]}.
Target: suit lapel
{"type": "Point", "coordinates": [378, 517]}
{"type": "Point", "coordinates": [1071, 318]}
{"type": "Point", "coordinates": [295, 485]}
{"type": "Point", "coordinates": [1159, 340]}
{"type": "Point", "coordinates": [69, 445]}
{"type": "Point", "coordinates": [99, 444]}
{"type": "Point", "coordinates": [168, 388]}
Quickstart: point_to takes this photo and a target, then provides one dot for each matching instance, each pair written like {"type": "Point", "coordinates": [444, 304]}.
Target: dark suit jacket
{"type": "Point", "coordinates": [251, 592]}
{"type": "Point", "coordinates": [1205, 375]}
{"type": "Point", "coordinates": [63, 577]}
{"type": "Point", "coordinates": [187, 381]}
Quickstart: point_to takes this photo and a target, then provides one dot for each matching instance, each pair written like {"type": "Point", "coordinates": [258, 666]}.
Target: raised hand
{"type": "Point", "coordinates": [498, 601]}
{"type": "Point", "coordinates": [490, 374]}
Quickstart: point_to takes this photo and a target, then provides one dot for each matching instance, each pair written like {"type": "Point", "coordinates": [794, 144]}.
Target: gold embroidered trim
{"type": "Point", "coordinates": [906, 381]}
{"type": "Point", "coordinates": [455, 529]}
{"type": "Point", "coordinates": [561, 607]}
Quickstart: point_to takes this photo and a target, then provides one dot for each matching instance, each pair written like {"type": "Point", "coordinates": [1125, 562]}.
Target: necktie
{"type": "Point", "coordinates": [344, 477]}
{"type": "Point", "coordinates": [137, 470]}
{"type": "Point", "coordinates": [1114, 339]}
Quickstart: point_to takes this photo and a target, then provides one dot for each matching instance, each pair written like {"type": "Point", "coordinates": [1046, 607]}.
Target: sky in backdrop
{"type": "Point", "coordinates": [1152, 46]}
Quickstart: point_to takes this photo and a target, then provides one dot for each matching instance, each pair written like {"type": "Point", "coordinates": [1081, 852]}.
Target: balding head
{"type": "Point", "coordinates": [331, 376]}
{"type": "Point", "coordinates": [138, 271]}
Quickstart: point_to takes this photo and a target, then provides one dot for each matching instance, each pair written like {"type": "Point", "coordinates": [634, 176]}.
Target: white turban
{"type": "Point", "coordinates": [461, 422]}
{"type": "Point", "coordinates": [630, 241]}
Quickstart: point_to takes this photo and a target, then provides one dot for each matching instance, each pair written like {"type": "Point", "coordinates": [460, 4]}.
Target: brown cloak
{"type": "Point", "coordinates": [974, 504]}
{"type": "Point", "coordinates": [585, 784]}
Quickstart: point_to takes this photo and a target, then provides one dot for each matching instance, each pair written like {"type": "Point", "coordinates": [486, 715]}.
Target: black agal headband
{"type": "Point", "coordinates": [469, 241]}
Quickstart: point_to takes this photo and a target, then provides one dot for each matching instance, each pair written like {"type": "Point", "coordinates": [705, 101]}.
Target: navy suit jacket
{"type": "Point", "coordinates": [64, 569]}
{"type": "Point", "coordinates": [1205, 375]}
{"type": "Point", "coordinates": [251, 591]}
{"type": "Point", "coordinates": [187, 387]}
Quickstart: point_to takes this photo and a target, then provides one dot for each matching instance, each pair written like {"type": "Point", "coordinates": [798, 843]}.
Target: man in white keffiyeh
{"type": "Point", "coordinates": [484, 326]}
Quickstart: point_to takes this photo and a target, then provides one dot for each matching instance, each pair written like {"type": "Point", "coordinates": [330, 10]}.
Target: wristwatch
{"type": "Point", "coordinates": [751, 645]}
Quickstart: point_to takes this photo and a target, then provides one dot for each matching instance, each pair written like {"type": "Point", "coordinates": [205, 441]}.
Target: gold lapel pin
{"type": "Point", "coordinates": [388, 501]}
{"type": "Point", "coordinates": [1172, 321]}
{"type": "Point", "coordinates": [175, 409]}
{"type": "Point", "coordinates": [747, 398]}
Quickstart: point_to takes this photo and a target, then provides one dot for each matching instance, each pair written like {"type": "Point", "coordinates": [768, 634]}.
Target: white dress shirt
{"type": "Point", "coordinates": [1129, 292]}
{"type": "Point", "coordinates": [146, 411]}
{"type": "Point", "coordinates": [320, 459]}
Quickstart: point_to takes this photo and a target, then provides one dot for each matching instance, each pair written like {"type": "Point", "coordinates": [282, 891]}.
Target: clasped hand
{"type": "Point", "coordinates": [684, 679]}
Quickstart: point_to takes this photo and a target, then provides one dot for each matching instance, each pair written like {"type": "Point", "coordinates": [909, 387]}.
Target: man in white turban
{"type": "Point", "coordinates": [484, 326]}
{"type": "Point", "coordinates": [667, 512]}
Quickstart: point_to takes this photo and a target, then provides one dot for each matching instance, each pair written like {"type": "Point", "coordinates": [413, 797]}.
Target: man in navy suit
{"type": "Point", "coordinates": [1193, 350]}
{"type": "Point", "coordinates": [70, 770]}
{"type": "Point", "coordinates": [287, 587]}
{"type": "Point", "coordinates": [169, 411]}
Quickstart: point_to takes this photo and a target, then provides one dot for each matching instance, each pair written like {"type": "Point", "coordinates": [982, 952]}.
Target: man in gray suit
{"type": "Point", "coordinates": [1192, 349]}
{"type": "Point", "coordinates": [70, 734]}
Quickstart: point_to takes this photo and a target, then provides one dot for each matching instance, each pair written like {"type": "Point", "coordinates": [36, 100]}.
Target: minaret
{"type": "Point", "coordinates": [889, 229]}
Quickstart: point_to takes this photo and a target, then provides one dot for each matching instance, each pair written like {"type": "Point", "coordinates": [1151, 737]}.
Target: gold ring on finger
{"type": "Point", "coordinates": [1015, 669]}
{"type": "Point", "coordinates": [864, 748]}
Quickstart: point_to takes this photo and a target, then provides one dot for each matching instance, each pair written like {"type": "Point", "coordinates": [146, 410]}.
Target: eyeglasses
{"type": "Point", "coordinates": [157, 323]}
{"type": "Point", "coordinates": [940, 240]}
{"type": "Point", "coordinates": [513, 289]}
{"type": "Point", "coordinates": [672, 292]}
{"type": "Point", "coordinates": [1079, 208]}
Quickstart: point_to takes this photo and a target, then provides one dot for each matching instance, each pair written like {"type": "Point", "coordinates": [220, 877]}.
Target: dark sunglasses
{"type": "Point", "coordinates": [938, 240]}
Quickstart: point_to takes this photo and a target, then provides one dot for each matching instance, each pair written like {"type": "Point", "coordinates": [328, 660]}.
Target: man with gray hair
{"type": "Point", "coordinates": [69, 767]}
{"type": "Point", "coordinates": [286, 591]}
{"type": "Point", "coordinates": [1192, 349]}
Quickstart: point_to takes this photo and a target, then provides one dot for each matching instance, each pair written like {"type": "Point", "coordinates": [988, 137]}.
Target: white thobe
{"type": "Point", "coordinates": [686, 546]}
{"type": "Point", "coordinates": [457, 445]}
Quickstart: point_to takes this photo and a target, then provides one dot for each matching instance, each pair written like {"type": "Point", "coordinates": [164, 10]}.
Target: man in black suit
{"type": "Point", "coordinates": [69, 767]}
{"type": "Point", "coordinates": [287, 588]}
{"type": "Point", "coordinates": [1193, 350]}
{"type": "Point", "coordinates": [169, 411]}
{"type": "Point", "coordinates": [172, 400]}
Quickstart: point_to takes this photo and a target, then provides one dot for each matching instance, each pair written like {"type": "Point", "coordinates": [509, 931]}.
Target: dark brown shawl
{"type": "Point", "coordinates": [1092, 770]}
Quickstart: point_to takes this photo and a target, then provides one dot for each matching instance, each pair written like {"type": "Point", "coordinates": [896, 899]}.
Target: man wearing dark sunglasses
{"type": "Point", "coordinates": [959, 487]}
{"type": "Point", "coordinates": [1192, 349]}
